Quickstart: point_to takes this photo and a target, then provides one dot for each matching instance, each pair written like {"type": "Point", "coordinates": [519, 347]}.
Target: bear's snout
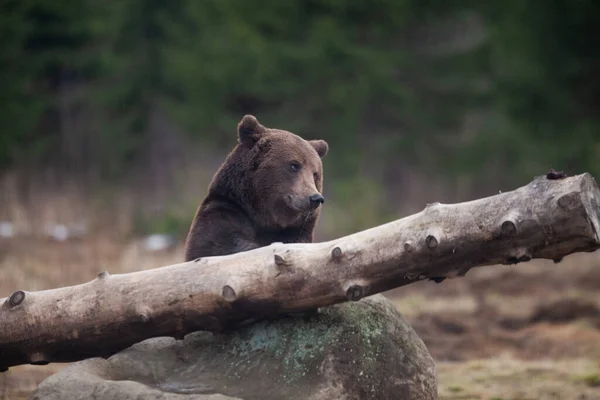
{"type": "Point", "coordinates": [316, 200]}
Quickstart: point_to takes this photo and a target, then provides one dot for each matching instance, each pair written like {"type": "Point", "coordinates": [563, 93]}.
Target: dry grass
{"type": "Point", "coordinates": [507, 378]}
{"type": "Point", "coordinates": [480, 330]}
{"type": "Point", "coordinates": [19, 382]}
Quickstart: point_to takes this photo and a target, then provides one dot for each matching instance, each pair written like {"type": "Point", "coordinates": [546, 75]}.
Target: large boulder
{"type": "Point", "coordinates": [358, 350]}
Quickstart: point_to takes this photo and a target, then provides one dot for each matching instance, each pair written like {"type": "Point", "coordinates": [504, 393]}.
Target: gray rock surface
{"type": "Point", "coordinates": [358, 350]}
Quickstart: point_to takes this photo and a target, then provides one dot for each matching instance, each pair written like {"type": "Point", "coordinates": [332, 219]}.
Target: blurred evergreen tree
{"type": "Point", "coordinates": [47, 50]}
{"type": "Point", "coordinates": [320, 67]}
{"type": "Point", "coordinates": [542, 57]}
{"type": "Point", "coordinates": [366, 76]}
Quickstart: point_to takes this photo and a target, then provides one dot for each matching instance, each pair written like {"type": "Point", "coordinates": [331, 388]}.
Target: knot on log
{"type": "Point", "coordinates": [103, 275]}
{"type": "Point", "coordinates": [354, 293]}
{"type": "Point", "coordinates": [279, 260]}
{"type": "Point", "coordinates": [281, 265]}
{"type": "Point", "coordinates": [336, 253]}
{"type": "Point", "coordinates": [431, 242]}
{"type": "Point", "coordinates": [16, 298]}
{"type": "Point", "coordinates": [568, 202]}
{"type": "Point", "coordinates": [229, 294]}
{"type": "Point", "coordinates": [143, 314]}
{"type": "Point", "coordinates": [508, 228]}
{"type": "Point", "coordinates": [432, 205]}
{"type": "Point", "coordinates": [134, 312]}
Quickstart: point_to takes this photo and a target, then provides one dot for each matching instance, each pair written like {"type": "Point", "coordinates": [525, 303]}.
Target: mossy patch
{"type": "Point", "coordinates": [302, 343]}
{"type": "Point", "coordinates": [455, 389]}
{"type": "Point", "coordinates": [591, 380]}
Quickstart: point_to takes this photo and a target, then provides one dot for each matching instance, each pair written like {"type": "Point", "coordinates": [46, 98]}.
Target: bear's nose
{"type": "Point", "coordinates": [316, 199]}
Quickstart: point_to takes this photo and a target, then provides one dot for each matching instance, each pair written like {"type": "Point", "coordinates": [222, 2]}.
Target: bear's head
{"type": "Point", "coordinates": [282, 181]}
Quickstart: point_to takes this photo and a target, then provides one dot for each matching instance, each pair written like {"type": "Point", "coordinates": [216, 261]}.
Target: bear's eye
{"type": "Point", "coordinates": [316, 176]}
{"type": "Point", "coordinates": [295, 166]}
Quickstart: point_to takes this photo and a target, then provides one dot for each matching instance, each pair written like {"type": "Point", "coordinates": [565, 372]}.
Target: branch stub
{"type": "Point", "coordinates": [103, 275]}
{"type": "Point", "coordinates": [228, 293]}
{"type": "Point", "coordinates": [144, 314]}
{"type": "Point", "coordinates": [568, 201]}
{"type": "Point", "coordinates": [16, 298]}
{"type": "Point", "coordinates": [279, 260]}
{"type": "Point", "coordinates": [336, 253]}
{"type": "Point", "coordinates": [508, 228]}
{"type": "Point", "coordinates": [431, 241]}
{"type": "Point", "coordinates": [354, 293]}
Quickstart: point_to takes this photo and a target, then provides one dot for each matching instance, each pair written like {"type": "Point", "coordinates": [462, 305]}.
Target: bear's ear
{"type": "Point", "coordinates": [320, 146]}
{"type": "Point", "coordinates": [249, 130]}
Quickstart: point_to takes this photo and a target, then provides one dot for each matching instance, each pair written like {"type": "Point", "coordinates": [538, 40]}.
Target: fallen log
{"type": "Point", "coordinates": [549, 218]}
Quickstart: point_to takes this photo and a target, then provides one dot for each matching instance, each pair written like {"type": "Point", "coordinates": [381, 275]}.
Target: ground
{"type": "Point", "coordinates": [527, 331]}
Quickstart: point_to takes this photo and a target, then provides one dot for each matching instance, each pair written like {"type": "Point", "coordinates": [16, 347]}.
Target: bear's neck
{"type": "Point", "coordinates": [229, 183]}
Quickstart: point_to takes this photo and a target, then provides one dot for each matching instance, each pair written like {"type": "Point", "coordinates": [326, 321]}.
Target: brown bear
{"type": "Point", "coordinates": [268, 189]}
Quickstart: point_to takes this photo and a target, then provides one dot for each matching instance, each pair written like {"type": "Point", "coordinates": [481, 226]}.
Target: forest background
{"type": "Point", "coordinates": [115, 115]}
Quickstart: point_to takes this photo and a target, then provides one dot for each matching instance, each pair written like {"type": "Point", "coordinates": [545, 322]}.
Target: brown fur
{"type": "Point", "coordinates": [257, 197]}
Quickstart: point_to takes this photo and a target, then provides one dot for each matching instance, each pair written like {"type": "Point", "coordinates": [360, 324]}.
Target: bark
{"type": "Point", "coordinates": [549, 218]}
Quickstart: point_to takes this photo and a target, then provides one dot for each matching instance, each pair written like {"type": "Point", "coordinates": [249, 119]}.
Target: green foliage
{"type": "Point", "coordinates": [358, 197]}
{"type": "Point", "coordinates": [542, 59]}
{"type": "Point", "coordinates": [19, 108]}
{"type": "Point", "coordinates": [46, 46]}
{"type": "Point", "coordinates": [168, 222]}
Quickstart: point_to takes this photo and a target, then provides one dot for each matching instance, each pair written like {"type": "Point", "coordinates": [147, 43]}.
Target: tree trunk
{"type": "Point", "coordinates": [549, 218]}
